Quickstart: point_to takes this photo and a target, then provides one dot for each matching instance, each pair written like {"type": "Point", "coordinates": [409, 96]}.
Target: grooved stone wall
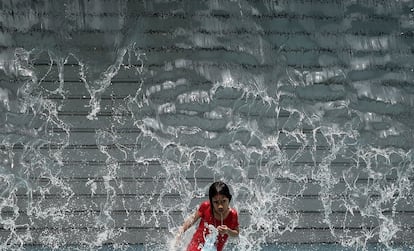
{"type": "Point", "coordinates": [118, 115]}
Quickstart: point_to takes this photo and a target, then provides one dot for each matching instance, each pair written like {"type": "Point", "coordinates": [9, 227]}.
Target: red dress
{"type": "Point", "coordinates": [206, 216]}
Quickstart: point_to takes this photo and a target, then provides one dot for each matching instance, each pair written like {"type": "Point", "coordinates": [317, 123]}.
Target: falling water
{"type": "Point", "coordinates": [116, 116]}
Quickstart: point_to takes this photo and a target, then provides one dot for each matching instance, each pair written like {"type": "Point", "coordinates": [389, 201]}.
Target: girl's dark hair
{"type": "Point", "coordinates": [218, 187]}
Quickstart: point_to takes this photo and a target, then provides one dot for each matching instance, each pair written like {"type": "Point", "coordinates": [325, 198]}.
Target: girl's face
{"type": "Point", "coordinates": [220, 204]}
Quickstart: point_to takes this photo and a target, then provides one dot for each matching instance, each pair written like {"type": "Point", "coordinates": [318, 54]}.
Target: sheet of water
{"type": "Point", "coordinates": [301, 106]}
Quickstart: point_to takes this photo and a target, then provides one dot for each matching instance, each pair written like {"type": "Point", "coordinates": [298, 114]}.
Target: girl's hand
{"type": "Point", "coordinates": [178, 237]}
{"type": "Point", "coordinates": [175, 243]}
{"type": "Point", "coordinates": [223, 229]}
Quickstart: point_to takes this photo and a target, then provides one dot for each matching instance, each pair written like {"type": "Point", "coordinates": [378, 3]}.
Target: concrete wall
{"type": "Point", "coordinates": [81, 175]}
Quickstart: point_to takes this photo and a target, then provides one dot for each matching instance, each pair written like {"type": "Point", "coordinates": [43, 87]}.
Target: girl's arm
{"type": "Point", "coordinates": [188, 223]}
{"type": "Point", "coordinates": [233, 232]}
{"type": "Point", "coordinates": [226, 230]}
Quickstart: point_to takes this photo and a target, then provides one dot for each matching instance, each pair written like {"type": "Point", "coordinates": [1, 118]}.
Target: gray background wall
{"type": "Point", "coordinates": [169, 124]}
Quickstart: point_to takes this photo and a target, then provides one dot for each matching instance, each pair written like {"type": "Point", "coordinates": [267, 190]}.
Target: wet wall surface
{"type": "Point", "coordinates": [116, 116]}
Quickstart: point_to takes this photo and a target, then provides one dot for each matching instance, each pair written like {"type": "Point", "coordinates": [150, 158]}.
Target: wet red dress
{"type": "Point", "coordinates": [206, 216]}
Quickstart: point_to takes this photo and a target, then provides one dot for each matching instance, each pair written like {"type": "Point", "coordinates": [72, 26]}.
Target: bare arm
{"type": "Point", "coordinates": [226, 230]}
{"type": "Point", "coordinates": [233, 232]}
{"type": "Point", "coordinates": [189, 222]}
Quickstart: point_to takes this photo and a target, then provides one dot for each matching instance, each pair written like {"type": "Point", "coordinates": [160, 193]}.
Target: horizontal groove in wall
{"type": "Point", "coordinates": [242, 212]}
{"type": "Point", "coordinates": [132, 146]}
{"type": "Point", "coordinates": [164, 15]}
{"type": "Point", "coordinates": [266, 31]}
{"type": "Point", "coordinates": [128, 114]}
{"type": "Point", "coordinates": [381, 68]}
{"type": "Point", "coordinates": [92, 228]}
{"type": "Point", "coordinates": [308, 181]}
{"type": "Point", "coordinates": [165, 49]}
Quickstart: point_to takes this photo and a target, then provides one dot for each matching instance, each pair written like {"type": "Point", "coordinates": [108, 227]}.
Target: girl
{"type": "Point", "coordinates": [216, 216]}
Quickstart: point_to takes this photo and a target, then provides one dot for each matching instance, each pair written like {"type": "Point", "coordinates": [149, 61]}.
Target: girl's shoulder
{"type": "Point", "coordinates": [204, 209]}
{"type": "Point", "coordinates": [204, 205]}
{"type": "Point", "coordinates": [233, 218]}
{"type": "Point", "coordinates": [233, 211]}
